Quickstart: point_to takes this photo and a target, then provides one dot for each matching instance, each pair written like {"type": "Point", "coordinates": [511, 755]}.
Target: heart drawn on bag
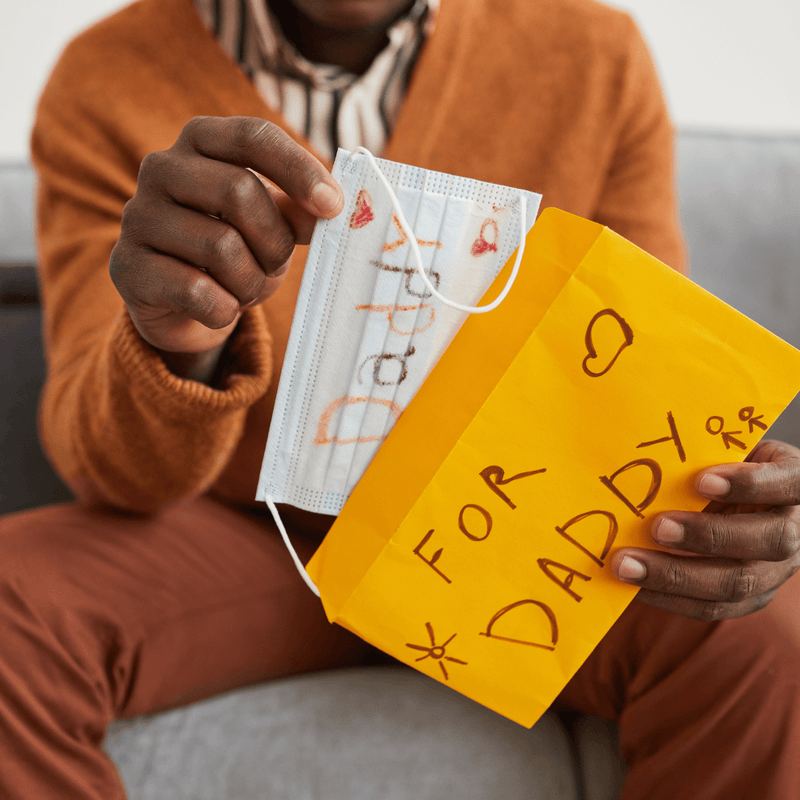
{"type": "Point", "coordinates": [595, 365]}
{"type": "Point", "coordinates": [481, 245]}
{"type": "Point", "coordinates": [363, 214]}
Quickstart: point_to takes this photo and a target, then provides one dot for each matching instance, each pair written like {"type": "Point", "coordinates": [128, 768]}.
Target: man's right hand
{"type": "Point", "coordinates": [203, 237]}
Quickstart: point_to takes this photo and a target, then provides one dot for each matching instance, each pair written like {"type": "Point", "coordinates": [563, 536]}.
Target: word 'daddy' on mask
{"type": "Point", "coordinates": [369, 324]}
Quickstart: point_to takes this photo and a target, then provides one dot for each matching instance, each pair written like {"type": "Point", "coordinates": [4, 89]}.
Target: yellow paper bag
{"type": "Point", "coordinates": [476, 546]}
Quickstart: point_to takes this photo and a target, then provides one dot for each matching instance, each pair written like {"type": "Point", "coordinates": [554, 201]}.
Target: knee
{"type": "Point", "coordinates": [59, 664]}
{"type": "Point", "coordinates": [33, 550]}
{"type": "Point", "coordinates": [48, 586]}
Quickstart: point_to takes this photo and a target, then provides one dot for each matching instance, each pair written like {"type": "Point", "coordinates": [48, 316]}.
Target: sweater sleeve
{"type": "Point", "coordinates": [118, 426]}
{"type": "Point", "coordinates": [639, 197]}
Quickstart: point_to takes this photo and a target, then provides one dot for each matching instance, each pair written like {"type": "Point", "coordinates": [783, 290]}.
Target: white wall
{"type": "Point", "coordinates": [32, 34]}
{"type": "Point", "coordinates": [730, 63]}
{"type": "Point", "coordinates": [725, 63]}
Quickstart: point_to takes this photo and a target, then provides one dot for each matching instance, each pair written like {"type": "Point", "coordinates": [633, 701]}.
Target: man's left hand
{"type": "Point", "coordinates": [730, 559]}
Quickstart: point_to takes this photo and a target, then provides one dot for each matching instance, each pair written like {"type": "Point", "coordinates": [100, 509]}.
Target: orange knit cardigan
{"type": "Point", "coordinates": [556, 96]}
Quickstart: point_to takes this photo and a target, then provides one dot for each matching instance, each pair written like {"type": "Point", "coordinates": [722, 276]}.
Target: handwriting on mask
{"type": "Point", "coordinates": [406, 319]}
{"type": "Point", "coordinates": [481, 245]}
{"type": "Point", "coordinates": [402, 239]}
{"type": "Point", "coordinates": [363, 213]}
{"type": "Point", "coordinates": [324, 436]}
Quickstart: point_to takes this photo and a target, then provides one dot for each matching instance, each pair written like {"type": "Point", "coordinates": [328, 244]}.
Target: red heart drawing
{"type": "Point", "coordinates": [480, 245]}
{"type": "Point", "coordinates": [363, 214]}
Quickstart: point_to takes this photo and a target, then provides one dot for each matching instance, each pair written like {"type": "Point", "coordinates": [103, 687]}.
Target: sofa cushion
{"type": "Point", "coordinates": [17, 189]}
{"type": "Point", "coordinates": [358, 734]}
{"type": "Point", "coordinates": [740, 208]}
{"type": "Point", "coordinates": [28, 480]}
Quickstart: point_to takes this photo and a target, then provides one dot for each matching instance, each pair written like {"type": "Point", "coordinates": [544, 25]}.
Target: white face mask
{"type": "Point", "coordinates": [369, 325]}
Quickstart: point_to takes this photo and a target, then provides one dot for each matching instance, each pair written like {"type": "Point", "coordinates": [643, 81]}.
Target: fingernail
{"type": "Point", "coordinates": [669, 532]}
{"type": "Point", "coordinates": [325, 197]}
{"type": "Point", "coordinates": [713, 486]}
{"type": "Point", "coordinates": [630, 569]}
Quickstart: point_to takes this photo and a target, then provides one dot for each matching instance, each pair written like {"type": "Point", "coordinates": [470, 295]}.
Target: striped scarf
{"type": "Point", "coordinates": [329, 106]}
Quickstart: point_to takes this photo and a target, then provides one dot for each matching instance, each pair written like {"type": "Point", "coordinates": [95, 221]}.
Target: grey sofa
{"type": "Point", "coordinates": [389, 732]}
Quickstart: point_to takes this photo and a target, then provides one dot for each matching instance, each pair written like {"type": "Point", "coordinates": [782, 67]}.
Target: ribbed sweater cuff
{"type": "Point", "coordinates": [246, 374]}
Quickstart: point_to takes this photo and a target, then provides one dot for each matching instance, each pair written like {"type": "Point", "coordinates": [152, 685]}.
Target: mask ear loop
{"type": "Point", "coordinates": [412, 240]}
{"type": "Point", "coordinates": [432, 289]}
{"type": "Point", "coordinates": [292, 552]}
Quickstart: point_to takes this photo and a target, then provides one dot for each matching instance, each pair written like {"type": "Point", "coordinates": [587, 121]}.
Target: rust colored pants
{"type": "Point", "coordinates": [104, 616]}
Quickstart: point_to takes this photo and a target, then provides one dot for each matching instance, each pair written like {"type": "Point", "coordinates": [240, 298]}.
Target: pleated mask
{"type": "Point", "coordinates": [386, 286]}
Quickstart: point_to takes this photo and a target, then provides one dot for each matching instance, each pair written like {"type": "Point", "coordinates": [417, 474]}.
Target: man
{"type": "Point", "coordinates": [164, 584]}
